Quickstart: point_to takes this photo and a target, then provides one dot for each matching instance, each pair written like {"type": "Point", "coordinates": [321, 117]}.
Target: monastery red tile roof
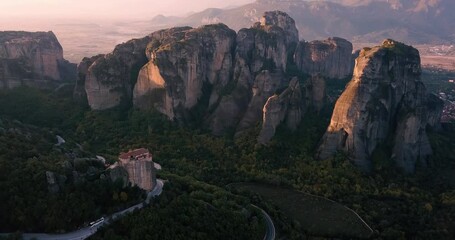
{"type": "Point", "coordinates": [133, 153]}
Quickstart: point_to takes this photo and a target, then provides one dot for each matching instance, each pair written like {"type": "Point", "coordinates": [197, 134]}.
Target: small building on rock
{"type": "Point", "coordinates": [140, 167]}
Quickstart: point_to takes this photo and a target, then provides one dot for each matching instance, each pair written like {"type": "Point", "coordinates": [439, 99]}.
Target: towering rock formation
{"type": "Point", "coordinates": [186, 68]}
{"type": "Point", "coordinates": [261, 59]}
{"type": "Point", "coordinates": [34, 59]}
{"type": "Point", "coordinates": [384, 104]}
{"type": "Point", "coordinates": [110, 79]}
{"type": "Point", "coordinates": [330, 58]}
{"type": "Point", "coordinates": [214, 76]}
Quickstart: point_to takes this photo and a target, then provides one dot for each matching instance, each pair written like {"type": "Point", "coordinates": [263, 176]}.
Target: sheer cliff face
{"type": "Point", "coordinates": [186, 66]}
{"type": "Point", "coordinates": [284, 107]}
{"type": "Point", "coordinates": [261, 58]}
{"type": "Point", "coordinates": [315, 92]}
{"type": "Point", "coordinates": [141, 173]}
{"type": "Point", "coordinates": [26, 57]}
{"type": "Point", "coordinates": [110, 79]}
{"type": "Point", "coordinates": [329, 58]}
{"type": "Point", "coordinates": [82, 69]}
{"type": "Point", "coordinates": [385, 103]}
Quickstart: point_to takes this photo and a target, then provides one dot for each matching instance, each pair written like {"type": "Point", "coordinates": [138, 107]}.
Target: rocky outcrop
{"type": "Point", "coordinates": [82, 70]}
{"type": "Point", "coordinates": [385, 103]}
{"type": "Point", "coordinates": [330, 58]}
{"type": "Point", "coordinates": [265, 46]}
{"type": "Point", "coordinates": [149, 91]}
{"type": "Point", "coordinates": [435, 108]}
{"type": "Point", "coordinates": [188, 67]}
{"type": "Point", "coordinates": [210, 75]}
{"type": "Point", "coordinates": [33, 59]}
{"type": "Point", "coordinates": [265, 85]}
{"type": "Point", "coordinates": [140, 168]}
{"type": "Point", "coordinates": [286, 106]}
{"type": "Point", "coordinates": [268, 44]}
{"type": "Point", "coordinates": [52, 184]}
{"type": "Point", "coordinates": [281, 20]}
{"type": "Point", "coordinates": [55, 182]}
{"type": "Point", "coordinates": [110, 79]}
{"type": "Point", "coordinates": [315, 92]}
{"type": "Point", "coordinates": [142, 174]}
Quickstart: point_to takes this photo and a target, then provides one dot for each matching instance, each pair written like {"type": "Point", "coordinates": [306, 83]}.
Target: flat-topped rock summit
{"type": "Point", "coordinates": [32, 58]}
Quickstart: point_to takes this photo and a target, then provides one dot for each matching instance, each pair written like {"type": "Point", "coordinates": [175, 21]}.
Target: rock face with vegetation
{"type": "Point", "coordinates": [385, 104]}
{"type": "Point", "coordinates": [32, 59]}
{"type": "Point", "coordinates": [330, 58]}
{"type": "Point", "coordinates": [214, 77]}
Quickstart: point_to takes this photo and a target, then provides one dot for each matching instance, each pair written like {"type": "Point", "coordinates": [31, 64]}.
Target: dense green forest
{"type": "Point", "coordinates": [188, 209]}
{"type": "Point", "coordinates": [420, 206]}
{"type": "Point", "coordinates": [84, 192]}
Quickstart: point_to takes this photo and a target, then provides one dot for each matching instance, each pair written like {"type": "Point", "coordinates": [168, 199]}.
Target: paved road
{"type": "Point", "coordinates": [86, 232]}
{"type": "Point", "coordinates": [270, 228]}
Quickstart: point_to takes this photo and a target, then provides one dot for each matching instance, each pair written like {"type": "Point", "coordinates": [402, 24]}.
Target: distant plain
{"type": "Point", "coordinates": [88, 38]}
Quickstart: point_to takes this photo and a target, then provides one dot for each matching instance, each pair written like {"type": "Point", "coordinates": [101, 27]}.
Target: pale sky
{"type": "Point", "coordinates": [112, 9]}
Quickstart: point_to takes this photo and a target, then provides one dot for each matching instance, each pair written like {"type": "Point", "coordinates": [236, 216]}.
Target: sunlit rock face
{"type": "Point", "coordinates": [79, 93]}
{"type": "Point", "coordinates": [32, 59]}
{"type": "Point", "coordinates": [110, 79]}
{"type": "Point", "coordinates": [185, 66]}
{"type": "Point", "coordinates": [385, 104]}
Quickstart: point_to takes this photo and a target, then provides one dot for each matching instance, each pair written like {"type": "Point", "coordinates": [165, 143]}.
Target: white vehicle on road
{"type": "Point", "coordinates": [97, 222]}
{"type": "Point", "coordinates": [86, 232]}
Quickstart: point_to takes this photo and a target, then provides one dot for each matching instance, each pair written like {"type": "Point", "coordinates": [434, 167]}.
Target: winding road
{"type": "Point", "coordinates": [86, 232]}
{"type": "Point", "coordinates": [270, 228]}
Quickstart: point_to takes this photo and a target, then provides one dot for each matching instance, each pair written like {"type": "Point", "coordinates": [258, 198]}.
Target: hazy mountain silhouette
{"type": "Point", "coordinates": [412, 21]}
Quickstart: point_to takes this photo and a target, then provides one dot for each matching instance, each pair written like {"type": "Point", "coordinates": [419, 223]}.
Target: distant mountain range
{"type": "Point", "coordinates": [411, 21]}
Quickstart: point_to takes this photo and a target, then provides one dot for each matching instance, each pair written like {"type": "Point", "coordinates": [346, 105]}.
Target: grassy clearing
{"type": "Point", "coordinates": [317, 216]}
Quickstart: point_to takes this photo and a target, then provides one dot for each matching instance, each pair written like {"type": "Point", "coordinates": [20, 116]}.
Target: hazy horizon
{"type": "Point", "coordinates": [18, 10]}
{"type": "Point", "coordinates": [86, 28]}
